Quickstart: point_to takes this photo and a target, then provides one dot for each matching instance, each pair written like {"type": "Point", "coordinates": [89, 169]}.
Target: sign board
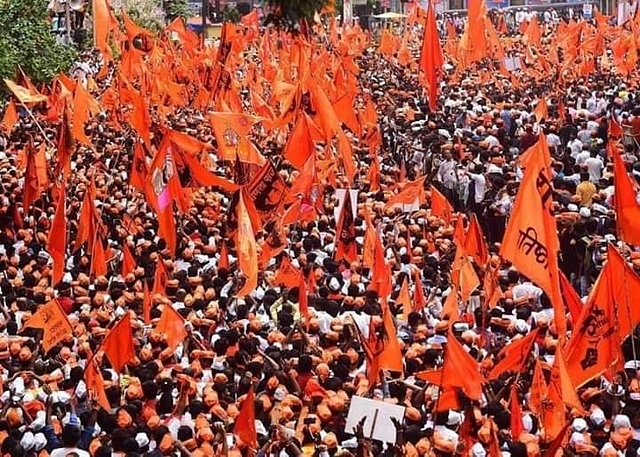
{"type": "Point", "coordinates": [347, 13]}
{"type": "Point", "coordinates": [587, 10]}
{"type": "Point", "coordinates": [378, 425]}
{"type": "Point", "coordinates": [340, 194]}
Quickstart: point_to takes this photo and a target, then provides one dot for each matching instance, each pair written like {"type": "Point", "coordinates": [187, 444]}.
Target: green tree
{"type": "Point", "coordinates": [231, 14]}
{"type": "Point", "coordinates": [26, 40]}
{"type": "Point", "coordinates": [291, 14]}
{"type": "Point", "coordinates": [174, 9]}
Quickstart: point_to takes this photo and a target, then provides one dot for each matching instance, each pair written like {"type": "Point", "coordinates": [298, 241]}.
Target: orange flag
{"type": "Point", "coordinates": [101, 26]}
{"type": "Point", "coordinates": [625, 201]}
{"type": "Point", "coordinates": [541, 110]}
{"type": "Point", "coordinates": [224, 256]}
{"type": "Point", "coordinates": [247, 248]}
{"type": "Point", "coordinates": [404, 298]}
{"type": "Point", "coordinates": [431, 59]}
{"type": "Point", "coordinates": [346, 247]}
{"type": "Point", "coordinates": [287, 275]}
{"type": "Point", "coordinates": [98, 258]}
{"type": "Point", "coordinates": [160, 277]}
{"type": "Point", "coordinates": [326, 115]}
{"type": "Point", "coordinates": [128, 261]}
{"type": "Point", "coordinates": [10, 118]}
{"type": "Point", "coordinates": [146, 303]}
{"type": "Point", "coordinates": [347, 114]}
{"type": "Point", "coordinates": [139, 168]}
{"type": "Point", "coordinates": [539, 390]}
{"type": "Point", "coordinates": [440, 206]}
{"type": "Point", "coordinates": [118, 344]}
{"type": "Point", "coordinates": [459, 370]}
{"type": "Point", "coordinates": [231, 131]}
{"type": "Point", "coordinates": [34, 181]}
{"type": "Point", "coordinates": [95, 384]}
{"type": "Point", "coordinates": [458, 231]}
{"type": "Point", "coordinates": [419, 301]}
{"type": "Point", "coordinates": [81, 113]}
{"type": "Point", "coordinates": [245, 425]}
{"type": "Point", "coordinates": [533, 34]}
{"type": "Point", "coordinates": [391, 356]}
{"type": "Point", "coordinates": [514, 355]}
{"type": "Point", "coordinates": [606, 319]}
{"type": "Point", "coordinates": [65, 144]}
{"type": "Point", "coordinates": [571, 299]}
{"type": "Point", "coordinates": [52, 319]}
{"type": "Point", "coordinates": [450, 307]}
{"type": "Point", "coordinates": [411, 193]}
{"type": "Point", "coordinates": [300, 144]}
{"type": "Point", "coordinates": [172, 325]}
{"type": "Point", "coordinates": [516, 413]}
{"type": "Point", "coordinates": [475, 243]}
{"type": "Point", "coordinates": [463, 274]}
{"type": "Point", "coordinates": [57, 241]}
{"type": "Point", "coordinates": [531, 241]}
{"type": "Point", "coordinates": [24, 94]}
{"type": "Point", "coordinates": [303, 299]}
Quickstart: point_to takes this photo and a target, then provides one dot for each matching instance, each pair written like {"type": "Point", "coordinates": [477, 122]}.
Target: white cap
{"type": "Point", "coordinates": [579, 425]}
{"type": "Point", "coordinates": [572, 207]}
{"type": "Point", "coordinates": [576, 438]}
{"type": "Point", "coordinates": [142, 439]}
{"type": "Point", "coordinates": [454, 418]}
{"type": "Point", "coordinates": [527, 423]}
{"type": "Point", "coordinates": [585, 212]}
{"type": "Point", "coordinates": [597, 417]}
{"type": "Point", "coordinates": [621, 421]}
{"type": "Point", "coordinates": [477, 450]}
{"type": "Point", "coordinates": [28, 441]}
{"type": "Point", "coordinates": [40, 442]}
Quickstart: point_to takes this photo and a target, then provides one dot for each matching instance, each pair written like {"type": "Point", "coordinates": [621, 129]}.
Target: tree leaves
{"type": "Point", "coordinates": [26, 40]}
{"type": "Point", "coordinates": [290, 13]}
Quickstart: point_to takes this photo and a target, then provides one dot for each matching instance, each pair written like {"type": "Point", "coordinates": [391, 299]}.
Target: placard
{"type": "Point", "coordinates": [378, 425]}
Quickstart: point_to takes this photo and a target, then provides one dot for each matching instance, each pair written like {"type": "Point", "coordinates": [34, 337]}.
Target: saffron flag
{"type": "Point", "coordinates": [247, 248]}
{"type": "Point", "coordinates": [10, 118]}
{"type": "Point", "coordinates": [475, 243]}
{"type": "Point", "coordinates": [95, 384]}
{"type": "Point", "coordinates": [52, 319]}
{"type": "Point", "coordinates": [431, 59]}
{"type": "Point", "coordinates": [514, 355]}
{"type": "Point", "coordinates": [245, 425]}
{"type": "Point", "coordinates": [172, 326]}
{"type": "Point", "coordinates": [530, 242]}
{"type": "Point", "coordinates": [24, 94]}
{"type": "Point", "coordinates": [267, 190]}
{"type": "Point", "coordinates": [57, 241]}
{"type": "Point", "coordinates": [625, 201]}
{"type": "Point", "coordinates": [346, 247]}
{"type": "Point", "coordinates": [606, 319]}
{"type": "Point", "coordinates": [440, 206]}
{"type": "Point", "coordinates": [413, 192]}
{"type": "Point", "coordinates": [118, 344]}
{"type": "Point", "coordinates": [231, 131]}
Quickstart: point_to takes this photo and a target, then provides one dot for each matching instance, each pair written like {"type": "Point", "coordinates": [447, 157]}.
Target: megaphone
{"type": "Point", "coordinates": [76, 5]}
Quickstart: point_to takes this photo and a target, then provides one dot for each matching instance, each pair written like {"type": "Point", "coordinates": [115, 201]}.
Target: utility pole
{"type": "Point", "coordinates": [67, 21]}
{"type": "Point", "coordinates": [205, 13]}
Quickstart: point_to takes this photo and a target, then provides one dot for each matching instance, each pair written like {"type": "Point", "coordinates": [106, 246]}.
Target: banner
{"type": "Point", "coordinates": [267, 191]}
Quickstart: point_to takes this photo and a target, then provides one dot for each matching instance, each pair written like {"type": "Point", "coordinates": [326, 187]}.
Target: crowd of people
{"type": "Point", "coordinates": [298, 361]}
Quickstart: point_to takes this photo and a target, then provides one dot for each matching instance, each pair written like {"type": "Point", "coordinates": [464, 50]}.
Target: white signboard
{"type": "Point", "coordinates": [340, 193]}
{"type": "Point", "coordinates": [587, 10]}
{"type": "Point", "coordinates": [378, 425]}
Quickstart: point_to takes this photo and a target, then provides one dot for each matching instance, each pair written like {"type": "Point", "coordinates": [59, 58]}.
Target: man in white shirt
{"type": "Point", "coordinates": [594, 166]}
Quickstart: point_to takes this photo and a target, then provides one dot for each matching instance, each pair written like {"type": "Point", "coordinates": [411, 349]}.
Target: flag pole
{"type": "Point", "coordinates": [633, 330]}
{"type": "Point", "coordinates": [44, 135]}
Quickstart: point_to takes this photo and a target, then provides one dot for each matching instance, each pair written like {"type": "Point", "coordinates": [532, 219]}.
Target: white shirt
{"type": "Point", "coordinates": [581, 158]}
{"type": "Point", "coordinates": [525, 290]}
{"type": "Point", "coordinates": [63, 451]}
{"type": "Point", "coordinates": [594, 166]}
{"type": "Point", "coordinates": [480, 184]}
{"type": "Point", "coordinates": [576, 147]}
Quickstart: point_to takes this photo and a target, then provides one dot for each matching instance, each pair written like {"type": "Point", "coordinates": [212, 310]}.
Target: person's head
{"type": "Point", "coordinates": [71, 435]}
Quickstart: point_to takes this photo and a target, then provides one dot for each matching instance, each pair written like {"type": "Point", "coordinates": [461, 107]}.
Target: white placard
{"type": "Point", "coordinates": [378, 425]}
{"type": "Point", "coordinates": [340, 193]}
